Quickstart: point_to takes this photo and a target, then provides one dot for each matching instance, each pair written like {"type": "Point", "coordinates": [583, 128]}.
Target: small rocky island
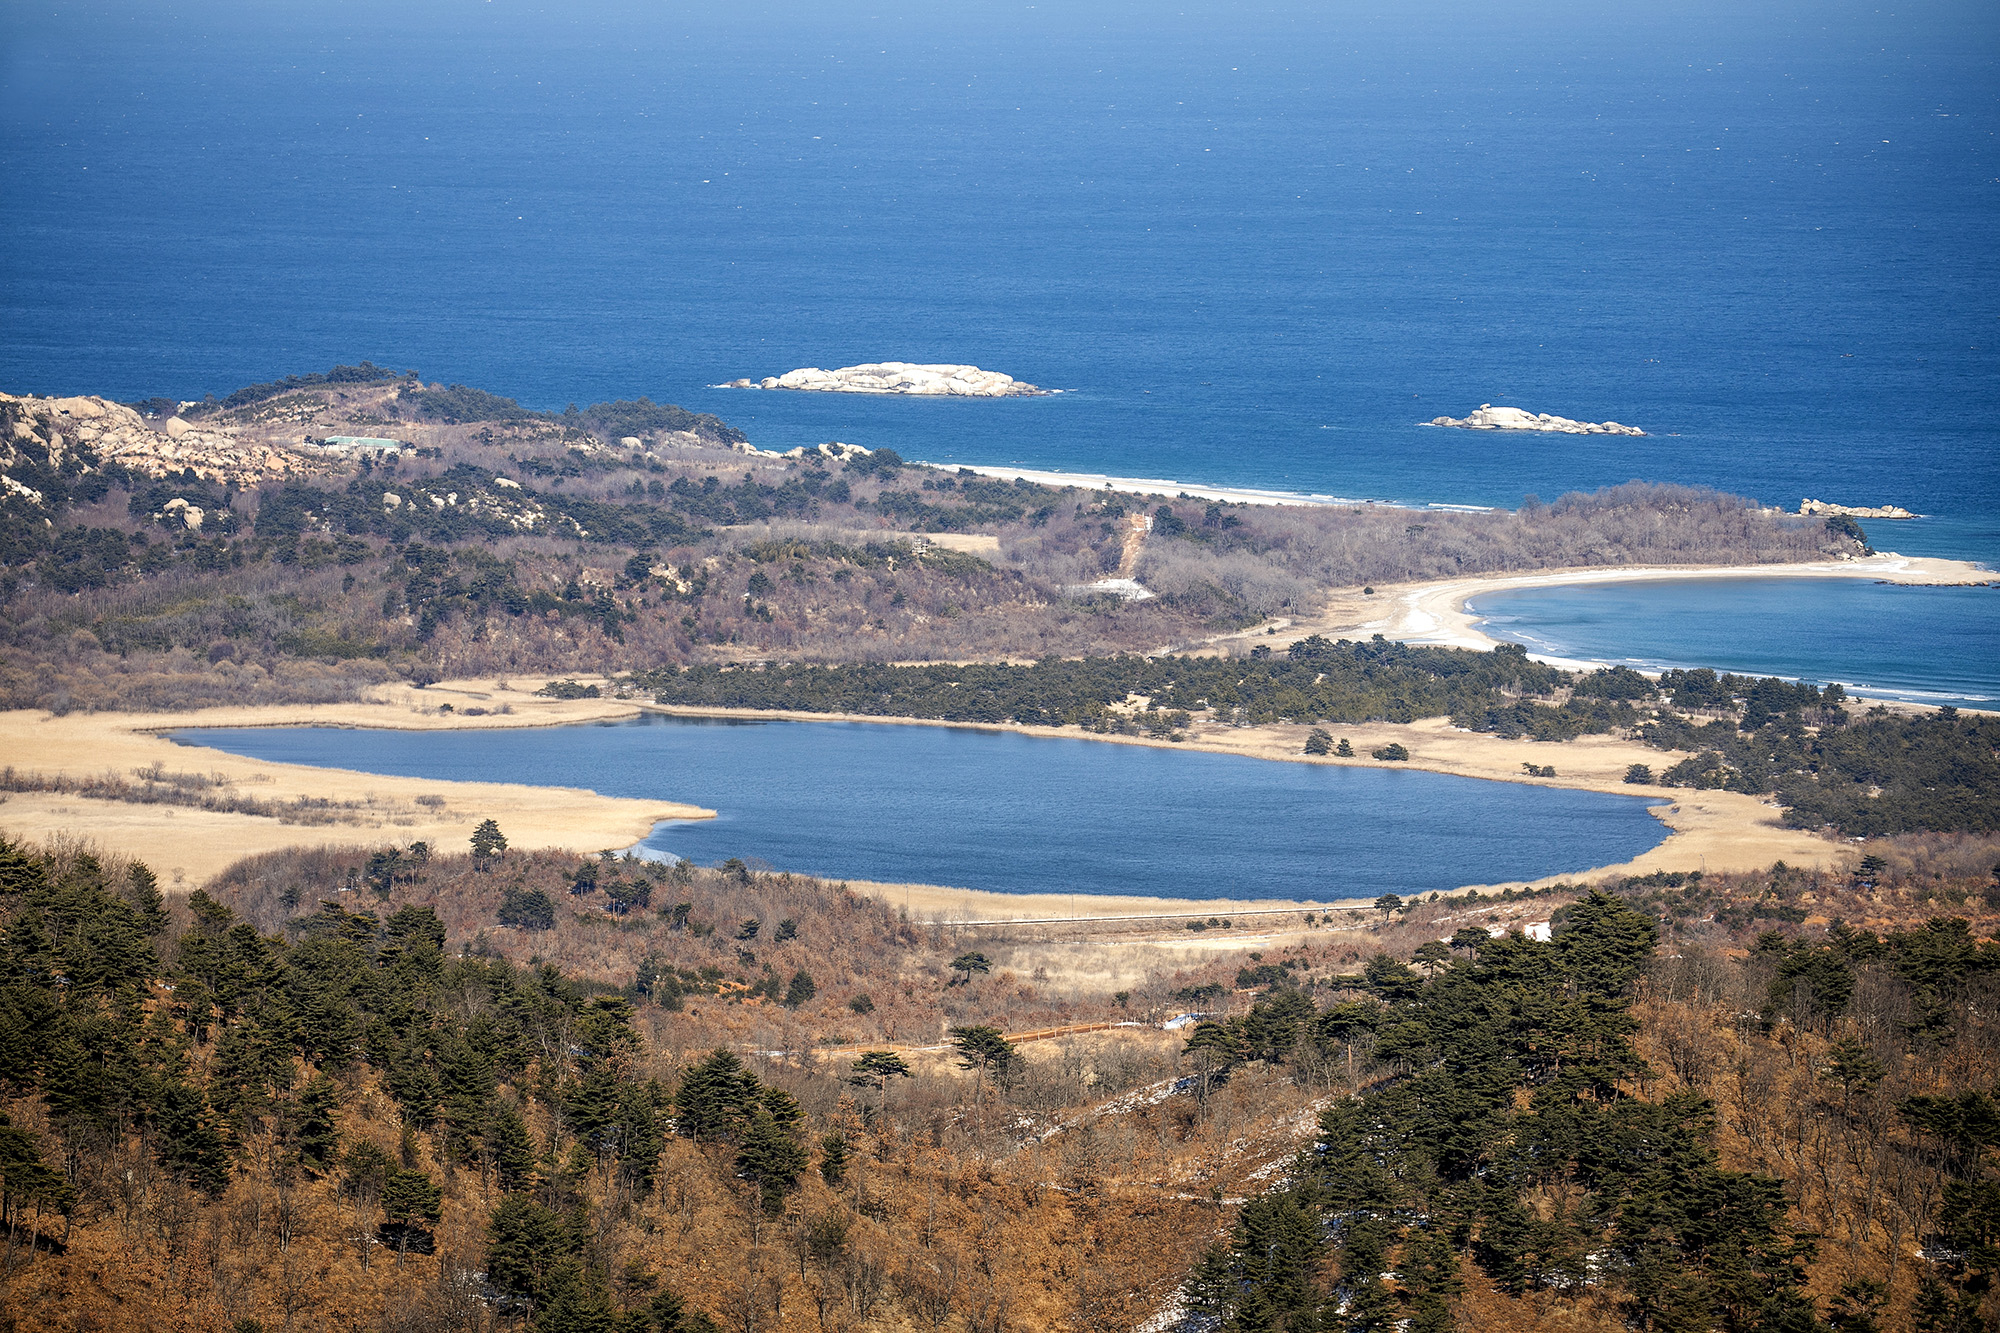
{"type": "Point", "coordinates": [898, 377]}
{"type": "Point", "coordinates": [1489, 417]}
{"type": "Point", "coordinates": [1825, 510]}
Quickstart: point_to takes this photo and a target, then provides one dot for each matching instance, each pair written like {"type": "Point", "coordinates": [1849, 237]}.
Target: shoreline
{"type": "Point", "coordinates": [1169, 489]}
{"type": "Point", "coordinates": [1436, 614]}
{"type": "Point", "coordinates": [188, 845]}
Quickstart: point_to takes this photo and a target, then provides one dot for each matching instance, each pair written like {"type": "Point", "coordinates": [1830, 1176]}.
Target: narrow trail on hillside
{"type": "Point", "coordinates": [1136, 528]}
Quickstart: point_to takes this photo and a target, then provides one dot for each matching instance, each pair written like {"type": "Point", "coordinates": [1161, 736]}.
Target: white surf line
{"type": "Point", "coordinates": [1439, 614]}
{"type": "Point", "coordinates": [1169, 489]}
{"type": "Point", "coordinates": [1348, 904]}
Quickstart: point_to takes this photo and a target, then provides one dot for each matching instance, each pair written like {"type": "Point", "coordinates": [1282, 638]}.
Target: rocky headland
{"type": "Point", "coordinates": [1489, 417]}
{"type": "Point", "coordinates": [116, 433]}
{"type": "Point", "coordinates": [898, 377]}
{"type": "Point", "coordinates": [1825, 510]}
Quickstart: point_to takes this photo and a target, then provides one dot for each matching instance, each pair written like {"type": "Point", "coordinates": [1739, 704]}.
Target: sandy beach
{"type": "Point", "coordinates": [1163, 487]}
{"type": "Point", "coordinates": [188, 845]}
{"type": "Point", "coordinates": [1716, 830]}
{"type": "Point", "coordinates": [1435, 613]}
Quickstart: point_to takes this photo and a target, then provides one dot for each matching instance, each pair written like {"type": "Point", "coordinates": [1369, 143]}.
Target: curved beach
{"type": "Point", "coordinates": [1435, 613]}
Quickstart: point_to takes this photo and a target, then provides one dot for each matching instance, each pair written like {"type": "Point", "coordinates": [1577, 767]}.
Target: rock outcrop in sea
{"type": "Point", "coordinates": [1489, 417]}
{"type": "Point", "coordinates": [1824, 510]}
{"type": "Point", "coordinates": [898, 377]}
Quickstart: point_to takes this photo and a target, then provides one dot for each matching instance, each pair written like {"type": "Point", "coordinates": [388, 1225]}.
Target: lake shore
{"type": "Point", "coordinates": [189, 845]}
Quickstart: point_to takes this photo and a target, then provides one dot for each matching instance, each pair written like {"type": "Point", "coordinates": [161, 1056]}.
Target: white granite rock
{"type": "Point", "coordinates": [1489, 417]}
{"type": "Point", "coordinates": [934, 381]}
{"type": "Point", "coordinates": [1820, 507]}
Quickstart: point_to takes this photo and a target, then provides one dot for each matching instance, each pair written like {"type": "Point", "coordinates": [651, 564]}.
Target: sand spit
{"type": "Point", "coordinates": [188, 845]}
{"type": "Point", "coordinates": [1437, 613]}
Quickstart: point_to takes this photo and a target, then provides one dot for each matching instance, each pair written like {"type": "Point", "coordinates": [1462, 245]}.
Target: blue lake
{"type": "Point", "coordinates": [1002, 811]}
{"type": "Point", "coordinates": [1928, 645]}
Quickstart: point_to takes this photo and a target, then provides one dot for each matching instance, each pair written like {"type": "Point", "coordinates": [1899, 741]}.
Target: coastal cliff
{"type": "Point", "coordinates": [1489, 417]}
{"type": "Point", "coordinates": [898, 377]}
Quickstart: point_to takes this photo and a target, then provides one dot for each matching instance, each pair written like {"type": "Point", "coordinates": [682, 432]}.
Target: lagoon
{"type": "Point", "coordinates": [1007, 812]}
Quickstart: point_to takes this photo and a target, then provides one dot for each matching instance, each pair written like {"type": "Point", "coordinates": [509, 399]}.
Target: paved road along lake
{"type": "Point", "coordinates": [1002, 811]}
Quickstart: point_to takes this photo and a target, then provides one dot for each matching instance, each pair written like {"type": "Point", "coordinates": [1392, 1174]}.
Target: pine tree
{"type": "Point", "coordinates": [26, 1179]}
{"type": "Point", "coordinates": [715, 1098]}
{"type": "Point", "coordinates": [1215, 1051]}
{"type": "Point", "coordinates": [771, 1159]}
{"type": "Point", "coordinates": [833, 1158]}
{"type": "Point", "coordinates": [590, 1108]}
{"type": "Point", "coordinates": [801, 989]}
{"type": "Point", "coordinates": [143, 893]}
{"type": "Point", "coordinates": [577, 1301]}
{"type": "Point", "coordinates": [984, 1049]}
{"type": "Point", "coordinates": [1431, 1282]}
{"type": "Point", "coordinates": [412, 1202]}
{"type": "Point", "coordinates": [487, 841]}
{"type": "Point", "coordinates": [20, 874]}
{"type": "Point", "coordinates": [638, 1132]}
{"type": "Point", "coordinates": [318, 1137]}
{"type": "Point", "coordinates": [524, 1244]}
{"type": "Point", "coordinates": [466, 1082]}
{"type": "Point", "coordinates": [188, 1141]}
{"type": "Point", "coordinates": [1279, 1246]}
{"type": "Point", "coordinates": [1605, 945]}
{"type": "Point", "coordinates": [877, 1068]}
{"type": "Point", "coordinates": [670, 1314]}
{"type": "Point", "coordinates": [509, 1146]}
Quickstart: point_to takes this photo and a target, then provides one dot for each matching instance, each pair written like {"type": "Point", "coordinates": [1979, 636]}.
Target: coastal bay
{"type": "Point", "coordinates": [1439, 613]}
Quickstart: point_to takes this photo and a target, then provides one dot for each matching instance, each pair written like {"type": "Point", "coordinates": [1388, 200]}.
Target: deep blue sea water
{"type": "Point", "coordinates": [1257, 242]}
{"type": "Point", "coordinates": [1925, 645]}
{"type": "Point", "coordinates": [1001, 811]}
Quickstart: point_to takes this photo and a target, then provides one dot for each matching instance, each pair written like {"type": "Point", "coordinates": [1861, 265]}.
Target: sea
{"type": "Point", "coordinates": [1767, 627]}
{"type": "Point", "coordinates": [1001, 811]}
{"type": "Point", "coordinates": [1254, 243]}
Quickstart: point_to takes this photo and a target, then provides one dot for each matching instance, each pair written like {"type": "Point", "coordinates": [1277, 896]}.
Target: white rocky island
{"type": "Point", "coordinates": [897, 377]}
{"type": "Point", "coordinates": [1808, 508]}
{"type": "Point", "coordinates": [1489, 417]}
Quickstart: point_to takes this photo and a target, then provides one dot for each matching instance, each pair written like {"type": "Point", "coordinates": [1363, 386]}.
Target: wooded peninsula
{"type": "Point", "coordinates": [381, 1081]}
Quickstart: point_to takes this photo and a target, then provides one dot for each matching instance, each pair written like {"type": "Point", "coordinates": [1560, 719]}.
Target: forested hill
{"type": "Point", "coordinates": [336, 530]}
{"type": "Point", "coordinates": [1510, 1124]}
{"type": "Point", "coordinates": [364, 1121]}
